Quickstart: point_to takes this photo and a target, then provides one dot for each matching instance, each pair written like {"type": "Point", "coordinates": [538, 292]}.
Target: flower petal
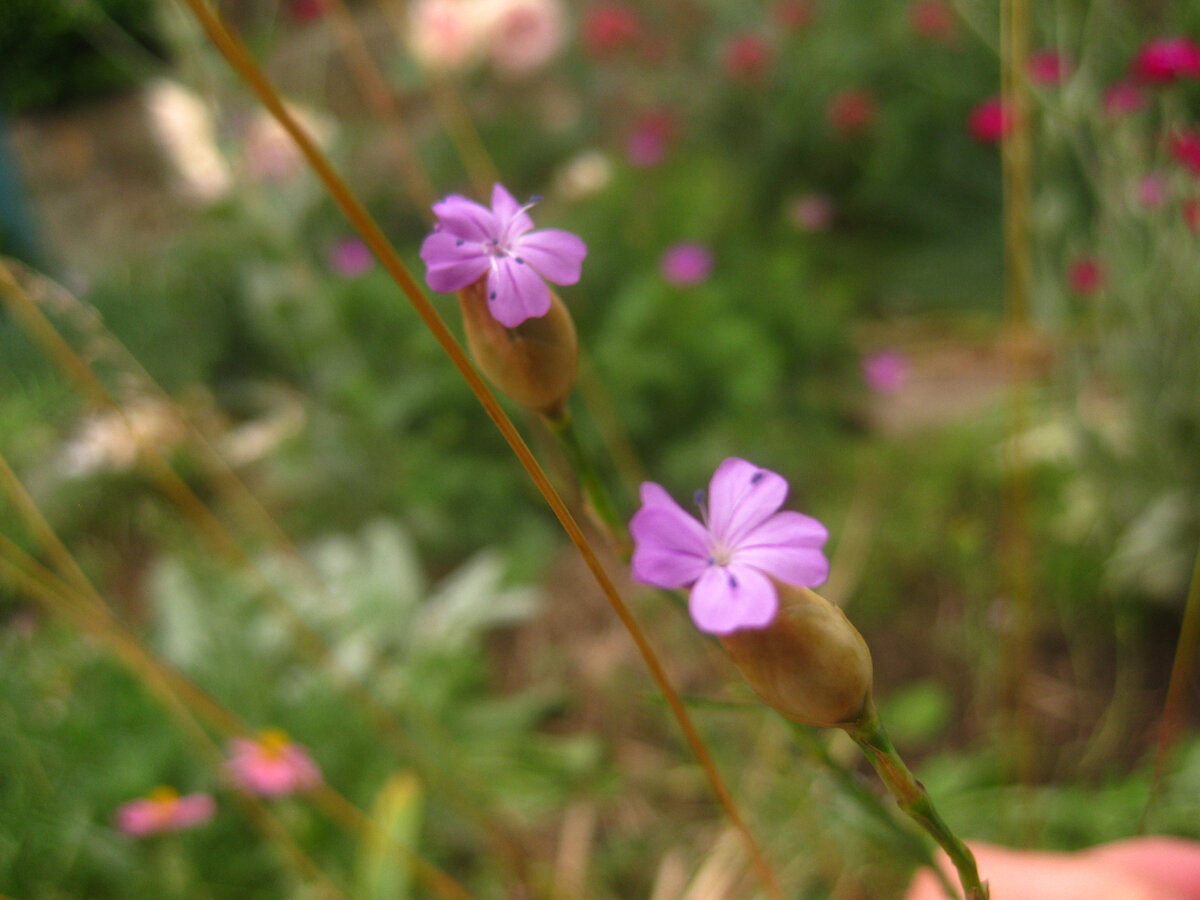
{"type": "Point", "coordinates": [512, 219]}
{"type": "Point", "coordinates": [787, 546]}
{"type": "Point", "coordinates": [742, 496]}
{"type": "Point", "coordinates": [516, 292]}
{"type": "Point", "coordinates": [727, 598]}
{"type": "Point", "coordinates": [451, 262]}
{"type": "Point", "coordinates": [557, 255]}
{"type": "Point", "coordinates": [670, 547]}
{"type": "Point", "coordinates": [466, 219]}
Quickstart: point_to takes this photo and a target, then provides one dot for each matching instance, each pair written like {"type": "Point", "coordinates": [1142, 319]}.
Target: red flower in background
{"type": "Point", "coordinates": [306, 10]}
{"type": "Point", "coordinates": [793, 15]}
{"type": "Point", "coordinates": [654, 131]}
{"type": "Point", "coordinates": [933, 20]}
{"type": "Point", "coordinates": [1048, 67]}
{"type": "Point", "coordinates": [1191, 214]}
{"type": "Point", "coordinates": [1086, 276]}
{"type": "Point", "coordinates": [1168, 59]}
{"type": "Point", "coordinates": [1124, 97]}
{"type": "Point", "coordinates": [610, 28]}
{"type": "Point", "coordinates": [1185, 146]}
{"type": "Point", "coordinates": [747, 57]}
{"type": "Point", "coordinates": [851, 111]}
{"type": "Point", "coordinates": [990, 121]}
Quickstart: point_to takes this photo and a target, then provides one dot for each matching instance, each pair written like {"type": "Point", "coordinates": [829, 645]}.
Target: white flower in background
{"type": "Point", "coordinates": [110, 441]}
{"type": "Point", "coordinates": [268, 151]}
{"type": "Point", "coordinates": [523, 35]}
{"type": "Point", "coordinates": [183, 125]}
{"type": "Point", "coordinates": [584, 175]}
{"type": "Point", "coordinates": [445, 35]}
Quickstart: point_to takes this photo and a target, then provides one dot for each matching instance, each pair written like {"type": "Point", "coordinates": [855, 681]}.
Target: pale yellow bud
{"type": "Point", "coordinates": [535, 363]}
{"type": "Point", "coordinates": [810, 664]}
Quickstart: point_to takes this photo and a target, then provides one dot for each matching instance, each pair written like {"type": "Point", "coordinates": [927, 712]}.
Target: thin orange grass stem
{"type": "Point", "coordinates": [238, 57]}
{"type": "Point", "coordinates": [1183, 675]}
{"type": "Point", "coordinates": [128, 652]}
{"type": "Point", "coordinates": [379, 97]}
{"type": "Point", "coordinates": [310, 643]}
{"type": "Point", "coordinates": [98, 620]}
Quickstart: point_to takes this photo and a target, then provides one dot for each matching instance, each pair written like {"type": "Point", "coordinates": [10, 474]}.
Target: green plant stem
{"type": "Point", "coordinates": [599, 501]}
{"type": "Point", "coordinates": [913, 799]}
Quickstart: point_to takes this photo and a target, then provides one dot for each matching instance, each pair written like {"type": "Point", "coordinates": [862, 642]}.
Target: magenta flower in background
{"type": "Point", "coordinates": [1152, 190]}
{"type": "Point", "coordinates": [793, 15]}
{"type": "Point", "coordinates": [272, 765]}
{"type": "Point", "coordinates": [1124, 97]}
{"type": "Point", "coordinates": [1191, 214]}
{"type": "Point", "coordinates": [610, 28]}
{"type": "Point", "coordinates": [471, 241]}
{"type": "Point", "coordinates": [351, 258]}
{"type": "Point", "coordinates": [990, 121]}
{"type": "Point", "coordinates": [747, 57]}
{"type": "Point", "coordinates": [1086, 276]}
{"type": "Point", "coordinates": [164, 810]}
{"type": "Point", "coordinates": [304, 11]}
{"type": "Point", "coordinates": [933, 20]}
{"type": "Point", "coordinates": [851, 111]}
{"type": "Point", "coordinates": [686, 264]}
{"type": "Point", "coordinates": [1048, 67]}
{"type": "Point", "coordinates": [885, 372]}
{"type": "Point", "coordinates": [811, 212]}
{"type": "Point", "coordinates": [1185, 147]}
{"type": "Point", "coordinates": [730, 559]}
{"type": "Point", "coordinates": [651, 135]}
{"type": "Point", "coordinates": [1168, 59]}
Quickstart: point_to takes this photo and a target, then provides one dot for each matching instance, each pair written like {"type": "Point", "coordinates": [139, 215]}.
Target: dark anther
{"type": "Point", "coordinates": [732, 581]}
{"type": "Point", "coordinates": [756, 477]}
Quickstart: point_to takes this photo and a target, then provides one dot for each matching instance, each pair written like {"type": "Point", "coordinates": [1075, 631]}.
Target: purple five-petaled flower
{"type": "Point", "coordinates": [471, 241]}
{"type": "Point", "coordinates": [730, 559]}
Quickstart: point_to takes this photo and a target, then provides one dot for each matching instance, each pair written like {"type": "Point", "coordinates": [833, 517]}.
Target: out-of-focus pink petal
{"type": "Point", "coordinates": [740, 496]}
{"type": "Point", "coordinates": [556, 255]}
{"type": "Point", "coordinates": [452, 263]}
{"type": "Point", "coordinates": [193, 809]}
{"type": "Point", "coordinates": [787, 546]}
{"type": "Point", "coordinates": [466, 219]}
{"type": "Point", "coordinates": [516, 292]}
{"type": "Point", "coordinates": [670, 546]}
{"type": "Point", "coordinates": [512, 219]}
{"type": "Point", "coordinates": [727, 598]}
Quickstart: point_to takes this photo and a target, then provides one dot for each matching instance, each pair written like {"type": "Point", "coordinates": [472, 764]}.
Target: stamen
{"type": "Point", "coordinates": [518, 259]}
{"type": "Point", "coordinates": [699, 499]}
{"type": "Point", "coordinates": [757, 477]}
{"type": "Point", "coordinates": [459, 242]}
{"type": "Point", "coordinates": [492, 295]}
{"type": "Point", "coordinates": [733, 582]}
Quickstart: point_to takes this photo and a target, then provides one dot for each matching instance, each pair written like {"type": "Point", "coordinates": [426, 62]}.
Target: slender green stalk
{"type": "Point", "coordinates": [913, 799]}
{"type": "Point", "coordinates": [599, 501]}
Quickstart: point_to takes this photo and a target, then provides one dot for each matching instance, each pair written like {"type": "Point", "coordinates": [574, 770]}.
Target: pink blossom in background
{"type": "Point", "coordinates": [351, 258]}
{"type": "Point", "coordinates": [1185, 147]}
{"type": "Point", "coordinates": [851, 111]}
{"type": "Point", "coordinates": [747, 57]}
{"type": "Point", "coordinates": [272, 765]}
{"type": "Point", "coordinates": [811, 212]}
{"type": "Point", "coordinates": [990, 121]}
{"type": "Point", "coordinates": [471, 242]}
{"type": "Point", "coordinates": [305, 11]}
{"type": "Point", "coordinates": [1168, 59]}
{"type": "Point", "coordinates": [933, 20]}
{"type": "Point", "coordinates": [652, 134]}
{"type": "Point", "coordinates": [1152, 190]}
{"type": "Point", "coordinates": [1124, 97]}
{"type": "Point", "coordinates": [164, 810]}
{"type": "Point", "coordinates": [686, 264]}
{"type": "Point", "coordinates": [885, 372]}
{"type": "Point", "coordinates": [444, 35]}
{"type": "Point", "coordinates": [1191, 214]}
{"type": "Point", "coordinates": [729, 557]}
{"type": "Point", "coordinates": [1048, 67]}
{"type": "Point", "coordinates": [523, 35]}
{"type": "Point", "coordinates": [792, 15]}
{"type": "Point", "coordinates": [610, 28]}
{"type": "Point", "coordinates": [1086, 276]}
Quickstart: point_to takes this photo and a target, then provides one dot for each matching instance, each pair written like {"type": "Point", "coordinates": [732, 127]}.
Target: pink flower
{"type": "Point", "coordinates": [686, 264]}
{"type": "Point", "coordinates": [305, 11]}
{"type": "Point", "coordinates": [933, 20]}
{"type": "Point", "coordinates": [272, 765]}
{"type": "Point", "coordinates": [1185, 146]}
{"type": "Point", "coordinates": [164, 810]}
{"type": "Point", "coordinates": [1124, 97]}
{"type": "Point", "coordinates": [1152, 190]}
{"type": "Point", "coordinates": [746, 57]}
{"type": "Point", "coordinates": [351, 258]}
{"type": "Point", "coordinates": [647, 145]}
{"type": "Point", "coordinates": [444, 35]}
{"type": "Point", "coordinates": [524, 35]}
{"type": "Point", "coordinates": [730, 559]}
{"type": "Point", "coordinates": [990, 121]}
{"type": "Point", "coordinates": [1048, 67]}
{"type": "Point", "coordinates": [885, 372]}
{"type": "Point", "coordinates": [851, 111]}
{"type": "Point", "coordinates": [1168, 59]}
{"type": "Point", "coordinates": [812, 212]}
{"type": "Point", "coordinates": [610, 28]}
{"type": "Point", "coordinates": [1086, 276]}
{"type": "Point", "coordinates": [471, 241]}
{"type": "Point", "coordinates": [793, 15]}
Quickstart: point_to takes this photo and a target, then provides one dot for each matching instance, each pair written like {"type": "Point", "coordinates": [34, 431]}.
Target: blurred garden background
{"type": "Point", "coordinates": [246, 494]}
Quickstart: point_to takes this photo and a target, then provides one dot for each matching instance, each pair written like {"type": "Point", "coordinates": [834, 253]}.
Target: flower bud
{"type": "Point", "coordinates": [534, 363]}
{"type": "Point", "coordinates": [810, 664]}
